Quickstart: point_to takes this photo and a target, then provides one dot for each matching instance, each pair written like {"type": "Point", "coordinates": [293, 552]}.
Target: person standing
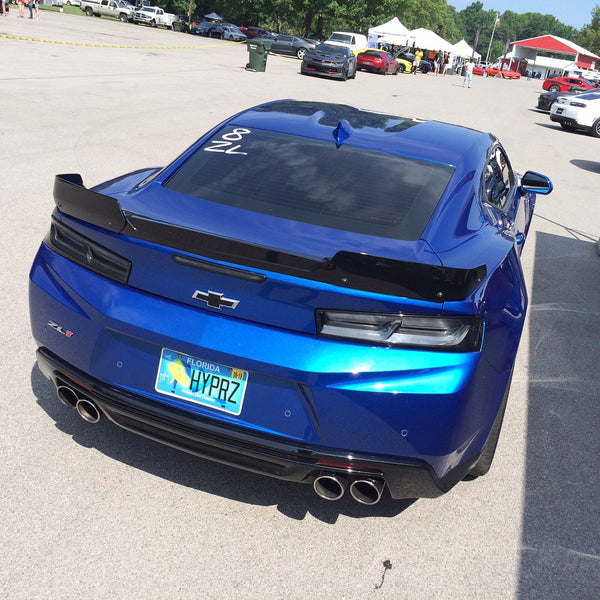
{"type": "Point", "coordinates": [437, 63]}
{"type": "Point", "coordinates": [36, 8]}
{"type": "Point", "coordinates": [30, 6]}
{"type": "Point", "coordinates": [21, 4]}
{"type": "Point", "coordinates": [417, 61]}
{"type": "Point", "coordinates": [468, 74]}
{"type": "Point", "coordinates": [4, 4]}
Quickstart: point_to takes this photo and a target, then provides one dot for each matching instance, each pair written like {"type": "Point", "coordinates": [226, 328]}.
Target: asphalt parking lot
{"type": "Point", "coordinates": [95, 512]}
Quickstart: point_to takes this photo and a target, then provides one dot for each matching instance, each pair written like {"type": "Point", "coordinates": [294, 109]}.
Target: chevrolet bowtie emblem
{"type": "Point", "coordinates": [215, 300]}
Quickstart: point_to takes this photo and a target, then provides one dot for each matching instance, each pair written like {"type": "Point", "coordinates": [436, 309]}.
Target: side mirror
{"type": "Point", "coordinates": [535, 182]}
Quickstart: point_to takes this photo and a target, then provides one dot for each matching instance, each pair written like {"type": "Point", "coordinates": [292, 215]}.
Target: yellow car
{"type": "Point", "coordinates": [404, 66]}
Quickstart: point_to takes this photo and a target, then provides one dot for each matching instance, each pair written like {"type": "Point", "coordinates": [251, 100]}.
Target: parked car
{"type": "Point", "coordinates": [291, 45]}
{"type": "Point", "coordinates": [580, 112]}
{"type": "Point", "coordinates": [108, 8]}
{"type": "Point", "coordinates": [327, 60]}
{"type": "Point", "coordinates": [509, 74]}
{"type": "Point", "coordinates": [265, 302]}
{"type": "Point", "coordinates": [377, 61]}
{"type": "Point", "coordinates": [495, 71]}
{"type": "Point", "coordinates": [254, 32]}
{"type": "Point", "coordinates": [232, 32]}
{"type": "Point", "coordinates": [208, 29]}
{"type": "Point", "coordinates": [404, 66]}
{"type": "Point", "coordinates": [424, 65]}
{"type": "Point", "coordinates": [562, 84]}
{"type": "Point", "coordinates": [547, 99]}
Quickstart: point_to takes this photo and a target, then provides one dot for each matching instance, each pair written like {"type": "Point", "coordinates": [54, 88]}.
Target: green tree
{"type": "Point", "coordinates": [589, 37]}
{"type": "Point", "coordinates": [318, 18]}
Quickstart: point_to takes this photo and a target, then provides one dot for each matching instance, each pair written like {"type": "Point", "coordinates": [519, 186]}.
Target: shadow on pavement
{"type": "Point", "coordinates": [560, 555]}
{"type": "Point", "coordinates": [587, 165]}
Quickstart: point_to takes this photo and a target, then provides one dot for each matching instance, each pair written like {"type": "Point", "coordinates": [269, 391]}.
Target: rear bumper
{"type": "Point", "coordinates": [236, 447]}
{"type": "Point", "coordinates": [569, 121]}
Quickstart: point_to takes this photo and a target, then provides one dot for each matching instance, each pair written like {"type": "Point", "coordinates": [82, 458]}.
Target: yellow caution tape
{"type": "Point", "coordinates": [28, 39]}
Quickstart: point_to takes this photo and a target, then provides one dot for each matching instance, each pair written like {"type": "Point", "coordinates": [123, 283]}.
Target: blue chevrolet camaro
{"type": "Point", "coordinates": [311, 291]}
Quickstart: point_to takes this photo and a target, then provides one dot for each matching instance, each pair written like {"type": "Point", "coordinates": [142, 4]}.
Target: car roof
{"type": "Point", "coordinates": [427, 140]}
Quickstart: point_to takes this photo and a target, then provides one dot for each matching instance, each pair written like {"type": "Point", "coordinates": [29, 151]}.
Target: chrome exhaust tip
{"type": "Point", "coordinates": [367, 490]}
{"type": "Point", "coordinates": [329, 486]}
{"type": "Point", "coordinates": [67, 395]}
{"type": "Point", "coordinates": [88, 410]}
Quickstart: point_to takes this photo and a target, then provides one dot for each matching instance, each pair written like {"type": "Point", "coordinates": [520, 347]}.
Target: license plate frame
{"type": "Point", "coordinates": [200, 381]}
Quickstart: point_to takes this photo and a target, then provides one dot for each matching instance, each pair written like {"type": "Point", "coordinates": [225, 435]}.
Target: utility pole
{"type": "Point", "coordinates": [496, 23]}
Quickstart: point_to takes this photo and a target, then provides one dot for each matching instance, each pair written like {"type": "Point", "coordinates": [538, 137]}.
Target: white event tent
{"type": "Point", "coordinates": [428, 40]}
{"type": "Point", "coordinates": [392, 32]}
{"type": "Point", "coordinates": [463, 50]}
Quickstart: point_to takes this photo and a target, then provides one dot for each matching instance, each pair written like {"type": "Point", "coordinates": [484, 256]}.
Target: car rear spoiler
{"type": "Point", "coordinates": [351, 270]}
{"type": "Point", "coordinates": [74, 199]}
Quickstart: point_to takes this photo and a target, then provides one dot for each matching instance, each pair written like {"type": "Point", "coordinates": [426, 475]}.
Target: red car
{"type": "Point", "coordinates": [377, 61]}
{"type": "Point", "coordinates": [490, 71]}
{"type": "Point", "coordinates": [254, 32]}
{"type": "Point", "coordinates": [562, 84]}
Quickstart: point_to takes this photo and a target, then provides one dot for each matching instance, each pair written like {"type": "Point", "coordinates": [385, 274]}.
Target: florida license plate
{"type": "Point", "coordinates": [201, 381]}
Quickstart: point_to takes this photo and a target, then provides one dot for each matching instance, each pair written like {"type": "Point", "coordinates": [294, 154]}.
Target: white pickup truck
{"type": "Point", "coordinates": [108, 8]}
{"type": "Point", "coordinates": [155, 16]}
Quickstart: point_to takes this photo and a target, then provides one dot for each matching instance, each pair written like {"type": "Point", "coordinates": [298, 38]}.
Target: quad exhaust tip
{"type": "Point", "coordinates": [367, 490]}
{"type": "Point", "coordinates": [67, 395]}
{"type": "Point", "coordinates": [87, 409]}
{"type": "Point", "coordinates": [330, 486]}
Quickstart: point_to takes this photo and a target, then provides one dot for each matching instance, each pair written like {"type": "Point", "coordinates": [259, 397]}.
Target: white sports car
{"type": "Point", "coordinates": [578, 112]}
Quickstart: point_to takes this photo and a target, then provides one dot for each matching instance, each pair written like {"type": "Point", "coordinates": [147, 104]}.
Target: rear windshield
{"type": "Point", "coordinates": [314, 181]}
{"type": "Point", "coordinates": [588, 96]}
{"type": "Point", "coordinates": [331, 49]}
{"type": "Point", "coordinates": [340, 37]}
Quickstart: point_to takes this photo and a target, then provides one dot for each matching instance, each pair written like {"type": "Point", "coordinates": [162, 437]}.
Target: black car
{"type": "Point", "coordinates": [292, 45]}
{"type": "Point", "coordinates": [424, 66]}
{"type": "Point", "coordinates": [329, 60]}
{"type": "Point", "coordinates": [547, 99]}
{"type": "Point", "coordinates": [208, 29]}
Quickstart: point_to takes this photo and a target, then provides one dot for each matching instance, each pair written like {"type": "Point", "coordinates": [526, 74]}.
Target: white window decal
{"type": "Point", "coordinates": [225, 144]}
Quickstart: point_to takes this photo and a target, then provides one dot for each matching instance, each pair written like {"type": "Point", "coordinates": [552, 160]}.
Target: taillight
{"type": "Point", "coordinates": [76, 247]}
{"type": "Point", "coordinates": [435, 332]}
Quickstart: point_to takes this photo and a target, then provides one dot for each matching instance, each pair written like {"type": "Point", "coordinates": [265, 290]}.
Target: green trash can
{"type": "Point", "coordinates": [258, 50]}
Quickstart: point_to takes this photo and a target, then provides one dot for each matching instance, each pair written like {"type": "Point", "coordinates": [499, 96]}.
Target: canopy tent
{"type": "Point", "coordinates": [214, 17]}
{"type": "Point", "coordinates": [428, 40]}
{"type": "Point", "coordinates": [392, 32]}
{"type": "Point", "coordinates": [527, 49]}
{"type": "Point", "coordinates": [463, 50]}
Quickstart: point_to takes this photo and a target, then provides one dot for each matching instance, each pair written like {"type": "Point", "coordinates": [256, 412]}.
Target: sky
{"type": "Point", "coordinates": [575, 13]}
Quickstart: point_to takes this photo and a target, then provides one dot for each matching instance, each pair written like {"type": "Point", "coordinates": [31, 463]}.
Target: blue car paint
{"type": "Point", "coordinates": [425, 406]}
{"type": "Point", "coordinates": [339, 379]}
